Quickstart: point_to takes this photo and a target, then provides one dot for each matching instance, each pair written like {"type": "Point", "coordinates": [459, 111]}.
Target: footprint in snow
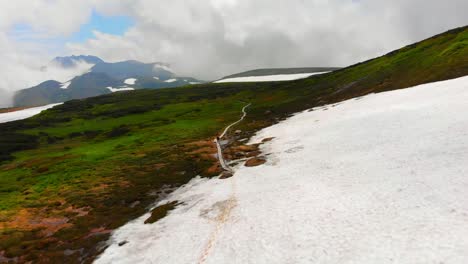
{"type": "Point", "coordinates": [295, 149]}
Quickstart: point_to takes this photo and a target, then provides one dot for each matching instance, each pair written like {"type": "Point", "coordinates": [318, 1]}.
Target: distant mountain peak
{"type": "Point", "coordinates": [100, 78]}
{"type": "Point", "coordinates": [132, 68]}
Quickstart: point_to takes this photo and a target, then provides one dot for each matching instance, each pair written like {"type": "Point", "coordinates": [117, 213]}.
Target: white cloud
{"type": "Point", "coordinates": [57, 17]}
{"type": "Point", "coordinates": [209, 39]}
{"type": "Point", "coordinates": [24, 52]}
{"type": "Point", "coordinates": [21, 68]}
{"type": "Point", "coordinates": [212, 38]}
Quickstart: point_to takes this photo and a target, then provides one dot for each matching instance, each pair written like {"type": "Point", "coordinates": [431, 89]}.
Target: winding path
{"type": "Point", "coordinates": [230, 203]}
{"type": "Point", "coordinates": [218, 146]}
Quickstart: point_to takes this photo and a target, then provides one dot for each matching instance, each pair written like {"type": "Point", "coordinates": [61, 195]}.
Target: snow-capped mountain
{"type": "Point", "coordinates": [102, 78]}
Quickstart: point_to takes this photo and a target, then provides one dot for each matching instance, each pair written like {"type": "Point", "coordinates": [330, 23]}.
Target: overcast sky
{"type": "Point", "coordinates": [208, 39]}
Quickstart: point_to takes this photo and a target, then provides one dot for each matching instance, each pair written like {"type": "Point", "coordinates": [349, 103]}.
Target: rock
{"type": "Point", "coordinates": [255, 162]}
{"type": "Point", "coordinates": [238, 132]}
{"type": "Point", "coordinates": [267, 139]}
{"type": "Point", "coordinates": [239, 154]}
{"type": "Point", "coordinates": [123, 243]}
{"type": "Point", "coordinates": [247, 147]}
{"type": "Point", "coordinates": [161, 212]}
{"type": "Point", "coordinates": [253, 154]}
{"type": "Point", "coordinates": [226, 175]}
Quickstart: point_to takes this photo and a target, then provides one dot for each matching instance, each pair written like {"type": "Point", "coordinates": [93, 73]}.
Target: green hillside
{"type": "Point", "coordinates": [88, 166]}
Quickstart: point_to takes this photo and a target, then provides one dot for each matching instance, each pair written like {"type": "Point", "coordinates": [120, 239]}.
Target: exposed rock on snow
{"type": "Point", "coordinates": [226, 175]}
{"type": "Point", "coordinates": [160, 212]}
{"type": "Point", "coordinates": [253, 162]}
{"type": "Point", "coordinates": [382, 179]}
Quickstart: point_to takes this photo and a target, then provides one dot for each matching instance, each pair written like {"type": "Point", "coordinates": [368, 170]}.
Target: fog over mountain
{"type": "Point", "coordinates": [21, 72]}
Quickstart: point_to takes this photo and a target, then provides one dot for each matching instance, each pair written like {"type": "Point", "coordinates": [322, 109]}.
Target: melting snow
{"type": "Point", "coordinates": [65, 85]}
{"type": "Point", "coordinates": [130, 81]}
{"type": "Point", "coordinates": [270, 78]}
{"type": "Point", "coordinates": [120, 89]}
{"type": "Point", "coordinates": [378, 179]}
{"type": "Point", "coordinates": [171, 80]}
{"type": "Point", "coordinates": [23, 114]}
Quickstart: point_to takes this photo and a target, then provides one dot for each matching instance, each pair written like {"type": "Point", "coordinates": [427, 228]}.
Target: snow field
{"type": "Point", "coordinates": [23, 114]}
{"type": "Point", "coordinates": [377, 179]}
{"type": "Point", "coordinates": [270, 78]}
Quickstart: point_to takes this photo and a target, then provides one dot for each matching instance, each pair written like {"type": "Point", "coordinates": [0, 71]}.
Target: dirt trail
{"type": "Point", "coordinates": [218, 146]}
{"type": "Point", "coordinates": [230, 203]}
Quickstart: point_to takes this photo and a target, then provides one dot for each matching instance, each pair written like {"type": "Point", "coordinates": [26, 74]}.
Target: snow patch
{"type": "Point", "coordinates": [120, 89]}
{"type": "Point", "coordinates": [163, 67]}
{"type": "Point", "coordinates": [171, 80]}
{"type": "Point", "coordinates": [130, 81]}
{"type": "Point", "coordinates": [25, 113]}
{"type": "Point", "coordinates": [156, 78]}
{"type": "Point", "coordinates": [377, 179]}
{"type": "Point", "coordinates": [270, 78]}
{"type": "Point", "coordinates": [65, 85]}
{"type": "Point", "coordinates": [194, 82]}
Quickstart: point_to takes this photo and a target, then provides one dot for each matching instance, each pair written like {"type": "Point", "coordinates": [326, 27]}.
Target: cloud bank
{"type": "Point", "coordinates": [212, 38]}
{"type": "Point", "coordinates": [22, 68]}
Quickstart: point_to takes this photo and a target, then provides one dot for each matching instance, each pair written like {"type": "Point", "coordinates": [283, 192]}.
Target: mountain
{"type": "Point", "coordinates": [77, 173]}
{"type": "Point", "coordinates": [103, 78]}
{"type": "Point", "coordinates": [72, 61]}
{"type": "Point", "coordinates": [89, 85]}
{"type": "Point", "coordinates": [49, 92]}
{"type": "Point", "coordinates": [132, 68]}
{"type": "Point", "coordinates": [42, 94]}
{"type": "Point", "coordinates": [275, 74]}
{"type": "Point", "coordinates": [276, 71]}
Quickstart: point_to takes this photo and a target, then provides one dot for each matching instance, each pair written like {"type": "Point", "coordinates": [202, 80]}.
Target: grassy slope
{"type": "Point", "coordinates": [104, 155]}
